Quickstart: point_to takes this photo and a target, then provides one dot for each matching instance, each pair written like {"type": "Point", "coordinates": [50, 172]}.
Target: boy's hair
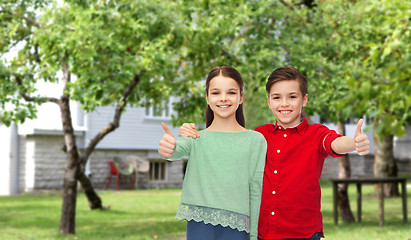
{"type": "Point", "coordinates": [287, 73]}
{"type": "Point", "coordinates": [230, 72]}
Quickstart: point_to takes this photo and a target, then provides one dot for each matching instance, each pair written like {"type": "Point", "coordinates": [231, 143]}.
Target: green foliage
{"type": "Point", "coordinates": [356, 55]}
{"type": "Point", "coordinates": [170, 45]}
{"type": "Point", "coordinates": [217, 34]}
{"type": "Point", "coordinates": [385, 81]}
{"type": "Point", "coordinates": [105, 45]}
{"type": "Point", "coordinates": [241, 34]}
{"type": "Point", "coordinates": [261, 53]}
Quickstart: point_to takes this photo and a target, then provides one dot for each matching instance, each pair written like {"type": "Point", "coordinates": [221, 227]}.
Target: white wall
{"type": "Point", "coordinates": [48, 114]}
{"type": "Point", "coordinates": [136, 131]}
{"type": "Point", "coordinates": [9, 160]}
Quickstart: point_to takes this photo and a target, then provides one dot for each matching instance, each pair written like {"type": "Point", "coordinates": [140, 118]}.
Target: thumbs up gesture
{"type": "Point", "coordinates": [362, 145]}
{"type": "Point", "coordinates": [167, 143]}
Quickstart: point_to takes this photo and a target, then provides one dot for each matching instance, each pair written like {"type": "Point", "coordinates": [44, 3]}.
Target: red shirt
{"type": "Point", "coordinates": [291, 199]}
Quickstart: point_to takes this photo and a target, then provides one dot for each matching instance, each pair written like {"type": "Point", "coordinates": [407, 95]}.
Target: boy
{"type": "Point", "coordinates": [291, 198]}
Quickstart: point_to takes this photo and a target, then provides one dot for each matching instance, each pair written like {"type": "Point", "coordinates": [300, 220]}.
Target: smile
{"type": "Point", "coordinates": [224, 106]}
{"type": "Point", "coordinates": [285, 111]}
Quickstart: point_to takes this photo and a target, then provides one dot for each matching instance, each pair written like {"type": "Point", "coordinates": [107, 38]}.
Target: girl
{"type": "Point", "coordinates": [223, 182]}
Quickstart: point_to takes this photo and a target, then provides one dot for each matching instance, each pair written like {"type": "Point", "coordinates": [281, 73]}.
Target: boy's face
{"type": "Point", "coordinates": [286, 101]}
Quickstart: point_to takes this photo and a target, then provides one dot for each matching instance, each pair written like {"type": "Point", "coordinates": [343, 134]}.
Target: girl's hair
{"type": "Point", "coordinates": [287, 73]}
{"type": "Point", "coordinates": [229, 72]}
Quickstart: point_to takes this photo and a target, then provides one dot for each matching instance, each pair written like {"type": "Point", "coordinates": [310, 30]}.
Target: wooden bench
{"type": "Point", "coordinates": [380, 181]}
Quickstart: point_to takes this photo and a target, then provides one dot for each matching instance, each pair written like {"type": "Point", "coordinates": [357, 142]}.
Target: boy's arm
{"type": "Point", "coordinates": [188, 130]}
{"type": "Point", "coordinates": [359, 143]}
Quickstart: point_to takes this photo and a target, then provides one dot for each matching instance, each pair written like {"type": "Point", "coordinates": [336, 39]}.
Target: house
{"type": "Point", "coordinates": [32, 155]}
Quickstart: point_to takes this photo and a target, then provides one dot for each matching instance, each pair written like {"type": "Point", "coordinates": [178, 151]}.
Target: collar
{"type": "Point", "coordinates": [301, 128]}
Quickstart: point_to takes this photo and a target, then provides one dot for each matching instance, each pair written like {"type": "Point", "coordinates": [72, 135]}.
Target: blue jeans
{"type": "Point", "coordinates": [316, 236]}
{"type": "Point", "coordinates": [201, 231]}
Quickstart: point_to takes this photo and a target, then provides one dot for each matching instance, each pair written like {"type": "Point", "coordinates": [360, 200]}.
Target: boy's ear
{"type": "Point", "coordinates": [305, 99]}
{"type": "Point", "coordinates": [268, 101]}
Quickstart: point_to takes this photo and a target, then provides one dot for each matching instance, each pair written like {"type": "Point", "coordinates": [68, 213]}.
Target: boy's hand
{"type": "Point", "coordinates": [362, 145]}
{"type": "Point", "coordinates": [167, 143]}
{"type": "Point", "coordinates": [189, 130]}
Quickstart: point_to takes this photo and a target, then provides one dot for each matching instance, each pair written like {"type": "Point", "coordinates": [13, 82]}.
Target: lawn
{"type": "Point", "coordinates": [149, 214]}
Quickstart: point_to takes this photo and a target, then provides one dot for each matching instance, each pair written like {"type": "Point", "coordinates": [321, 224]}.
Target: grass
{"type": "Point", "coordinates": [369, 228]}
{"type": "Point", "coordinates": [149, 214]}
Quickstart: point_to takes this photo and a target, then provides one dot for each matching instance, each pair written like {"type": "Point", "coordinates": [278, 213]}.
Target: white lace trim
{"type": "Point", "coordinates": [213, 216]}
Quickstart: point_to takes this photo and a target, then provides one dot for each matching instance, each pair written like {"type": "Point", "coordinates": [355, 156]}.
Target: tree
{"type": "Point", "coordinates": [358, 54]}
{"type": "Point", "coordinates": [247, 40]}
{"type": "Point", "coordinates": [385, 82]}
{"type": "Point", "coordinates": [220, 27]}
{"type": "Point", "coordinates": [108, 52]}
{"type": "Point", "coordinates": [380, 79]}
{"type": "Point", "coordinates": [261, 52]}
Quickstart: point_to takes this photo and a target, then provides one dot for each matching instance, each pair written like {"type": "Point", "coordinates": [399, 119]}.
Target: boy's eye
{"type": "Point", "coordinates": [276, 98]}
{"type": "Point", "coordinates": [293, 96]}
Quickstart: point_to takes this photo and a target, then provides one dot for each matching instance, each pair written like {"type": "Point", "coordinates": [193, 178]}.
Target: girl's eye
{"type": "Point", "coordinates": [214, 93]}
{"type": "Point", "coordinates": [232, 93]}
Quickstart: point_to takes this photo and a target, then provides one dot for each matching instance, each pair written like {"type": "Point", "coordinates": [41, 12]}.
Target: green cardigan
{"type": "Point", "coordinates": [224, 175]}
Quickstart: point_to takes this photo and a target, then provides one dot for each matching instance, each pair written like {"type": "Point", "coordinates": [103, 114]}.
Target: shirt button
{"type": "Point", "coordinates": [272, 213]}
{"type": "Point", "coordinates": [279, 127]}
{"type": "Point", "coordinates": [285, 135]}
{"type": "Point", "coordinates": [278, 151]}
{"type": "Point", "coordinates": [275, 171]}
{"type": "Point", "coordinates": [273, 192]}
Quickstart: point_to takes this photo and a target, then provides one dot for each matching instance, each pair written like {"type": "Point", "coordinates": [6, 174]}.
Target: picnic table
{"type": "Point", "coordinates": [374, 180]}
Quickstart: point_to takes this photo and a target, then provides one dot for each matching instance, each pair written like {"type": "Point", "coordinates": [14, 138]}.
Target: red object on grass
{"type": "Point", "coordinates": [114, 172]}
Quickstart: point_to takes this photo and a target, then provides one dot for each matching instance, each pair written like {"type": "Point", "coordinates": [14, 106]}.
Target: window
{"type": "Point", "coordinates": [163, 111]}
{"type": "Point", "coordinates": [157, 171]}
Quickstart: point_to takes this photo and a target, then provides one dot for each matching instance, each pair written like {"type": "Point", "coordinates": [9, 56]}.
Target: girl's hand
{"type": "Point", "coordinates": [167, 143]}
{"type": "Point", "coordinates": [189, 130]}
{"type": "Point", "coordinates": [362, 145]}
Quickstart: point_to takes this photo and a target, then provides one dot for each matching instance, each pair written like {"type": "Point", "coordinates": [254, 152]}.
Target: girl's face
{"type": "Point", "coordinates": [224, 96]}
{"type": "Point", "coordinates": [286, 101]}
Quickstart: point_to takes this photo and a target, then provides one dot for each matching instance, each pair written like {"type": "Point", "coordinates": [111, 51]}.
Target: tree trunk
{"type": "Point", "coordinates": [344, 171]}
{"type": "Point", "coordinates": [75, 164]}
{"type": "Point", "coordinates": [94, 200]}
{"type": "Point", "coordinates": [384, 163]}
{"type": "Point", "coordinates": [68, 212]}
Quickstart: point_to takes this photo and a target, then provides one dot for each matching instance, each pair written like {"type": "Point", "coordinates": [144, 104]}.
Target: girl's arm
{"type": "Point", "coordinates": [359, 143]}
{"type": "Point", "coordinates": [170, 149]}
{"type": "Point", "coordinates": [167, 143]}
{"type": "Point", "coordinates": [256, 188]}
